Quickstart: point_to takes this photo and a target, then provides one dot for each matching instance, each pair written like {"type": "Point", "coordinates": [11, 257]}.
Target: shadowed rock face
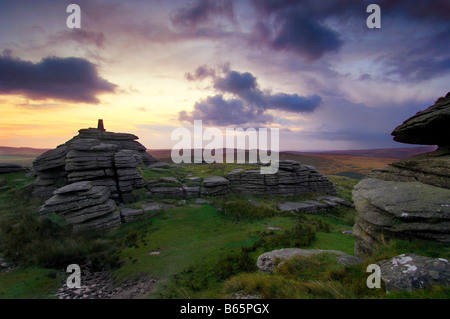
{"type": "Point", "coordinates": [428, 127]}
{"type": "Point", "coordinates": [411, 197]}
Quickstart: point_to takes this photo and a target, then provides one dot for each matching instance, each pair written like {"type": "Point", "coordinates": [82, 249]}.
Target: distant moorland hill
{"type": "Point", "coordinates": [352, 163]}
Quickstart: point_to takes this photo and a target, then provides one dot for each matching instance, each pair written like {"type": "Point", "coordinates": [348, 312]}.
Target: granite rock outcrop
{"type": "Point", "coordinates": [411, 197]}
{"type": "Point", "coordinates": [292, 178]}
{"type": "Point", "coordinates": [106, 158]}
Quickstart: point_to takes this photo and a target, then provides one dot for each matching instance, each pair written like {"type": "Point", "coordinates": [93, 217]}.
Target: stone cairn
{"type": "Point", "coordinates": [411, 197]}
{"type": "Point", "coordinates": [97, 168]}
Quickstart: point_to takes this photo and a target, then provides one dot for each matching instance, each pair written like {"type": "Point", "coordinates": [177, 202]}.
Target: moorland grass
{"type": "Point", "coordinates": [199, 251]}
{"type": "Point", "coordinates": [29, 283]}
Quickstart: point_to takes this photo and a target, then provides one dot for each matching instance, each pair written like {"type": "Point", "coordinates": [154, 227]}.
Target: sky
{"type": "Point", "coordinates": [312, 69]}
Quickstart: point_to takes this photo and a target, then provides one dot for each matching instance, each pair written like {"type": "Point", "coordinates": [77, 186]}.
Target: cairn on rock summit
{"type": "Point", "coordinates": [105, 158]}
{"type": "Point", "coordinates": [411, 197]}
{"type": "Point", "coordinates": [88, 175]}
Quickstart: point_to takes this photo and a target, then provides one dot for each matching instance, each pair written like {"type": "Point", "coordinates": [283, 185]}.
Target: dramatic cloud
{"type": "Point", "coordinates": [293, 102]}
{"type": "Point", "coordinates": [202, 11]}
{"type": "Point", "coordinates": [248, 103]}
{"type": "Point", "coordinates": [215, 110]}
{"type": "Point", "coordinates": [299, 34]}
{"type": "Point", "coordinates": [68, 79]}
{"type": "Point", "coordinates": [312, 29]}
{"type": "Point", "coordinates": [235, 82]}
{"type": "Point", "coordinates": [296, 26]}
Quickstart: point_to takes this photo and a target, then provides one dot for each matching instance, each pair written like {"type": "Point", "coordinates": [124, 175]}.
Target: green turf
{"type": "Point", "coordinates": [29, 283]}
{"type": "Point", "coordinates": [185, 236]}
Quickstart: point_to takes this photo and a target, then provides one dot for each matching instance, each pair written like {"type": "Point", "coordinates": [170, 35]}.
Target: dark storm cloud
{"type": "Point", "coordinates": [215, 110]}
{"type": "Point", "coordinates": [302, 27]}
{"type": "Point", "coordinates": [305, 36]}
{"type": "Point", "coordinates": [248, 103]}
{"type": "Point", "coordinates": [432, 10]}
{"type": "Point", "coordinates": [435, 10]}
{"type": "Point", "coordinates": [296, 26]}
{"type": "Point", "coordinates": [297, 33]}
{"type": "Point", "coordinates": [68, 79]}
{"type": "Point", "coordinates": [235, 82]}
{"type": "Point", "coordinates": [202, 11]}
{"type": "Point", "coordinates": [293, 102]}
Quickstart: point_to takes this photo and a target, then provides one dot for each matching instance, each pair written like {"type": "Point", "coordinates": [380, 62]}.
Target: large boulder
{"type": "Point", "coordinates": [428, 127]}
{"type": "Point", "coordinates": [390, 209]}
{"type": "Point", "coordinates": [84, 206]}
{"type": "Point", "coordinates": [408, 272]}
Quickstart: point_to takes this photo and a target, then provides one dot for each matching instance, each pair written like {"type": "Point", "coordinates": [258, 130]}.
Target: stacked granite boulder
{"type": "Point", "coordinates": [106, 158]}
{"type": "Point", "coordinates": [411, 197]}
{"type": "Point", "coordinates": [292, 178]}
{"type": "Point", "coordinates": [84, 206]}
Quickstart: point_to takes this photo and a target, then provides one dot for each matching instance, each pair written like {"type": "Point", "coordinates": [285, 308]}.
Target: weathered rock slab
{"type": "Point", "coordinates": [408, 272]}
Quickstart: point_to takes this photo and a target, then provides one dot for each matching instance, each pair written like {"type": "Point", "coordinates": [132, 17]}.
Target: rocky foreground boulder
{"type": "Point", "coordinates": [408, 272]}
{"type": "Point", "coordinates": [84, 206]}
{"type": "Point", "coordinates": [411, 197]}
{"type": "Point", "coordinates": [292, 178]}
{"type": "Point", "coordinates": [427, 127]}
{"type": "Point", "coordinates": [107, 159]}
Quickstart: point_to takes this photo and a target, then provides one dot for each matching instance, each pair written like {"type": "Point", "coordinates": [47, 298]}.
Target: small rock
{"type": "Point", "coordinates": [266, 261]}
